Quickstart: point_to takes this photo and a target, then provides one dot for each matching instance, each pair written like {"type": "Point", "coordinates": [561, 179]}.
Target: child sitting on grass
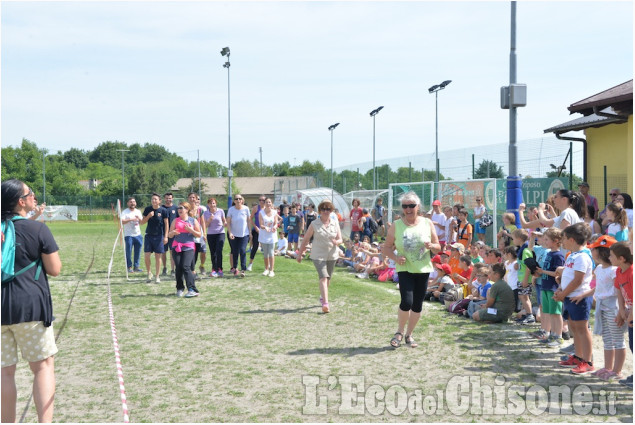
{"type": "Point", "coordinates": [551, 322]}
{"type": "Point", "coordinates": [444, 281]}
{"type": "Point", "coordinates": [622, 258]}
{"type": "Point", "coordinates": [463, 278]}
{"type": "Point", "coordinates": [606, 310]}
{"type": "Point", "coordinates": [575, 284]}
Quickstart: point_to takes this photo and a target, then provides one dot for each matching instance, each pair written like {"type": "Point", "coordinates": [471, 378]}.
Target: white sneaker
{"type": "Point", "coordinates": [157, 280]}
{"type": "Point", "coordinates": [179, 293]}
{"type": "Point", "coordinates": [150, 276]}
{"type": "Point", "coordinates": [362, 275]}
{"type": "Point", "coordinates": [271, 273]}
{"type": "Point", "coordinates": [249, 268]}
{"type": "Point", "coordinates": [265, 273]}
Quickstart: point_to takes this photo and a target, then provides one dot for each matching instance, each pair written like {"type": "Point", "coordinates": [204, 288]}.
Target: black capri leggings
{"type": "Point", "coordinates": [413, 287]}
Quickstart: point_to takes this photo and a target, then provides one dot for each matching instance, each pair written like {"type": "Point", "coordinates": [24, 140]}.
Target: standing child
{"type": "Point", "coordinates": [504, 236]}
{"type": "Point", "coordinates": [575, 284]}
{"type": "Point", "coordinates": [450, 223]}
{"type": "Point", "coordinates": [622, 258]}
{"type": "Point", "coordinates": [551, 320]}
{"type": "Point", "coordinates": [619, 222]}
{"type": "Point", "coordinates": [606, 310]}
{"type": "Point", "coordinates": [520, 239]}
{"type": "Point", "coordinates": [464, 230]}
{"type": "Point", "coordinates": [511, 273]}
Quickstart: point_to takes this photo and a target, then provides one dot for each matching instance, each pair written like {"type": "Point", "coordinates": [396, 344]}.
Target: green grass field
{"type": "Point", "coordinates": [241, 351]}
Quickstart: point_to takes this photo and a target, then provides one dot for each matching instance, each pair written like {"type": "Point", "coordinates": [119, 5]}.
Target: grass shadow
{"type": "Point", "coordinates": [349, 351]}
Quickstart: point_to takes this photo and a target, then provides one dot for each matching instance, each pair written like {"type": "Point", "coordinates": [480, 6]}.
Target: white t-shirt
{"type": "Point", "coordinates": [239, 226]}
{"type": "Point", "coordinates": [131, 228]}
{"type": "Point", "coordinates": [267, 222]}
{"type": "Point", "coordinates": [578, 261]}
{"type": "Point", "coordinates": [568, 214]}
{"type": "Point", "coordinates": [629, 214]}
{"type": "Point", "coordinates": [283, 245]}
{"type": "Point", "coordinates": [201, 212]}
{"type": "Point", "coordinates": [511, 276]}
{"type": "Point", "coordinates": [448, 230]}
{"type": "Point", "coordinates": [604, 279]}
{"type": "Point", "coordinates": [479, 210]}
{"type": "Point", "coordinates": [439, 218]}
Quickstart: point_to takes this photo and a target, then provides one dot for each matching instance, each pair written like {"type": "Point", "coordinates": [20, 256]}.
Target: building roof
{"type": "Point", "coordinates": [581, 123]}
{"type": "Point", "coordinates": [247, 186]}
{"type": "Point", "coordinates": [619, 97]}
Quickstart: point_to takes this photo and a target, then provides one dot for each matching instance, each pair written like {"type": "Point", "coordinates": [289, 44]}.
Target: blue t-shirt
{"type": "Point", "coordinates": [285, 223]}
{"type": "Point", "coordinates": [484, 288]}
{"type": "Point", "coordinates": [541, 255]}
{"type": "Point", "coordinates": [156, 225]}
{"type": "Point", "coordinates": [553, 260]}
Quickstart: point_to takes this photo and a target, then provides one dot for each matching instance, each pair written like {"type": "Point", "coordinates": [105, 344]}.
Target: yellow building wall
{"type": "Point", "coordinates": [611, 145]}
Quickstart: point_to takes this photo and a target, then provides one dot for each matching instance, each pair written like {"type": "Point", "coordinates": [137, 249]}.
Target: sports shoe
{"type": "Point", "coordinates": [555, 342]}
{"type": "Point", "coordinates": [628, 382]}
{"type": "Point", "coordinates": [202, 269]}
{"type": "Point", "coordinates": [197, 276]}
{"type": "Point", "coordinates": [271, 273]}
{"type": "Point", "coordinates": [566, 335]}
{"type": "Point", "coordinates": [149, 279]}
{"type": "Point", "coordinates": [165, 272]}
{"type": "Point", "coordinates": [179, 293]}
{"type": "Point", "coordinates": [528, 320]}
{"type": "Point", "coordinates": [220, 273]}
{"type": "Point", "coordinates": [546, 340]}
{"type": "Point", "coordinates": [242, 273]}
{"type": "Point", "coordinates": [137, 270]}
{"type": "Point", "coordinates": [540, 334]}
{"type": "Point", "coordinates": [572, 361]}
{"type": "Point", "coordinates": [172, 273]}
{"type": "Point", "coordinates": [568, 350]}
{"type": "Point", "coordinates": [362, 275]}
{"type": "Point", "coordinates": [266, 272]}
{"type": "Point", "coordinates": [213, 274]}
{"type": "Point", "coordinates": [236, 272]}
{"type": "Point", "coordinates": [582, 368]}
{"type": "Point", "coordinates": [249, 267]}
{"type": "Point", "coordinates": [520, 319]}
{"type": "Point", "coordinates": [191, 293]}
{"type": "Point", "coordinates": [130, 270]}
{"type": "Point", "coordinates": [157, 280]}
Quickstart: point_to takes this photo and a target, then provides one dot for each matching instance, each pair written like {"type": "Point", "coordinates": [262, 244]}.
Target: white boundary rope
{"type": "Point", "coordinates": [115, 340]}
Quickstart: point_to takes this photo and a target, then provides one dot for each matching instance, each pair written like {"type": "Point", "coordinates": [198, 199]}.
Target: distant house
{"type": "Point", "coordinates": [607, 122]}
{"type": "Point", "coordinates": [89, 184]}
{"type": "Point", "coordinates": [250, 187]}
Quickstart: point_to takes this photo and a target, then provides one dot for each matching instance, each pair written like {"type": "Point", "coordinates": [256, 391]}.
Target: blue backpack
{"type": "Point", "coordinates": [8, 253]}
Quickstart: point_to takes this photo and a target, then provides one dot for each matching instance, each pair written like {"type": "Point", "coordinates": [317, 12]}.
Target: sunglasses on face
{"type": "Point", "coordinates": [406, 206]}
{"type": "Point", "coordinates": [238, 199]}
{"type": "Point", "coordinates": [262, 200]}
{"type": "Point", "coordinates": [181, 208]}
{"type": "Point", "coordinates": [28, 194]}
{"type": "Point", "coordinates": [613, 194]}
{"type": "Point", "coordinates": [327, 209]}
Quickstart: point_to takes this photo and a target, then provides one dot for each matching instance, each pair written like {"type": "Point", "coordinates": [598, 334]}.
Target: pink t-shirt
{"type": "Point", "coordinates": [355, 215]}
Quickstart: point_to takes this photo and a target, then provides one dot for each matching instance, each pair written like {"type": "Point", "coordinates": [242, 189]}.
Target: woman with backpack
{"type": "Point", "coordinates": [27, 307]}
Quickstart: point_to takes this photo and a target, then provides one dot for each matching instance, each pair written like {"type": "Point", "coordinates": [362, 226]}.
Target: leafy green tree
{"type": "Point", "coordinates": [107, 153]}
{"type": "Point", "coordinates": [488, 169]}
{"type": "Point", "coordinates": [77, 157]}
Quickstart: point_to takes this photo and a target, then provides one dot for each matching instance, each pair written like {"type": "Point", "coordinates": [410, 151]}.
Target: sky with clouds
{"type": "Point", "coordinates": [75, 74]}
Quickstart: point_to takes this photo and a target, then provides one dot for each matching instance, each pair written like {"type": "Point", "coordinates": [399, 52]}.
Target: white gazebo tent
{"type": "Point", "coordinates": [316, 195]}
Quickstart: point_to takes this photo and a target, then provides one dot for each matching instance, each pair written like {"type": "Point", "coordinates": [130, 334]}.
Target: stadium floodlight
{"type": "Point", "coordinates": [225, 52]}
{"type": "Point", "coordinates": [435, 89]}
{"type": "Point", "coordinates": [331, 128]}
{"type": "Point", "coordinates": [372, 114]}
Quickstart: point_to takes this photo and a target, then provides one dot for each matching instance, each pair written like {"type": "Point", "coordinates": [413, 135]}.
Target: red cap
{"type": "Point", "coordinates": [436, 202]}
{"type": "Point", "coordinates": [436, 259]}
{"type": "Point", "coordinates": [604, 240]}
{"type": "Point", "coordinates": [445, 268]}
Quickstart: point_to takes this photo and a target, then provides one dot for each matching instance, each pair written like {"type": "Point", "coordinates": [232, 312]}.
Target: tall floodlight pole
{"type": "Point", "coordinates": [44, 176]}
{"type": "Point", "coordinates": [331, 128]}
{"type": "Point", "coordinates": [435, 89]}
{"type": "Point", "coordinates": [123, 177]}
{"type": "Point", "coordinates": [372, 114]}
{"type": "Point", "coordinates": [512, 97]}
{"type": "Point", "coordinates": [230, 173]}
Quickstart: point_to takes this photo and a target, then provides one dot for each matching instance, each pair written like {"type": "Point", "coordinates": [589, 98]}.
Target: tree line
{"type": "Point", "coordinates": [151, 167]}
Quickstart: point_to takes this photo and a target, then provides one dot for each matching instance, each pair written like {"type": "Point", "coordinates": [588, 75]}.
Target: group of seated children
{"type": "Point", "coordinates": [366, 261]}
